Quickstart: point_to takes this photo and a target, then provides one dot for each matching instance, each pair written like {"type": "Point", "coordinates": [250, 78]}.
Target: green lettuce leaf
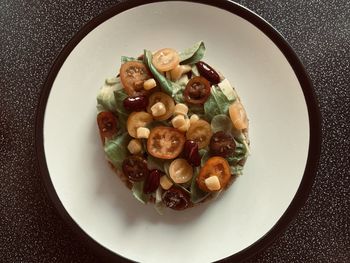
{"type": "Point", "coordinates": [193, 54]}
{"type": "Point", "coordinates": [122, 113]}
{"type": "Point", "coordinates": [127, 59]}
{"type": "Point", "coordinates": [116, 149]}
{"type": "Point", "coordinates": [105, 97]}
{"type": "Point", "coordinates": [217, 103]}
{"type": "Point", "coordinates": [171, 88]}
{"type": "Point", "coordinates": [137, 191]}
{"type": "Point", "coordinates": [197, 195]}
{"type": "Point", "coordinates": [241, 153]}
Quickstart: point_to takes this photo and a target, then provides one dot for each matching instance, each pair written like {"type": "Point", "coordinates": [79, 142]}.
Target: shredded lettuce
{"type": "Point", "coordinates": [122, 113]}
{"type": "Point", "coordinates": [197, 195]}
{"type": "Point", "coordinates": [217, 103]}
{"type": "Point", "coordinates": [159, 205]}
{"type": "Point", "coordinates": [155, 163]}
{"type": "Point", "coordinates": [128, 59]}
{"type": "Point", "coordinates": [137, 191]}
{"type": "Point", "coordinates": [241, 153]}
{"type": "Point", "coordinates": [116, 149]}
{"type": "Point", "coordinates": [105, 97]}
{"type": "Point", "coordinates": [193, 54]}
{"type": "Point", "coordinates": [171, 88]}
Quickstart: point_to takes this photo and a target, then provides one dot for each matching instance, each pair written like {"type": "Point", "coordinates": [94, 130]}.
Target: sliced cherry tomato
{"type": "Point", "coordinates": [132, 75]}
{"type": "Point", "coordinates": [136, 120]}
{"type": "Point", "coordinates": [107, 124]}
{"type": "Point", "coordinates": [166, 100]}
{"type": "Point", "coordinates": [238, 116]}
{"type": "Point", "coordinates": [222, 144]}
{"type": "Point", "coordinates": [165, 59]}
{"type": "Point", "coordinates": [200, 132]}
{"type": "Point", "coordinates": [215, 166]}
{"type": "Point", "coordinates": [180, 171]}
{"type": "Point", "coordinates": [176, 199]}
{"type": "Point", "coordinates": [135, 168]}
{"type": "Point", "coordinates": [197, 90]}
{"type": "Point", "coordinates": [165, 142]}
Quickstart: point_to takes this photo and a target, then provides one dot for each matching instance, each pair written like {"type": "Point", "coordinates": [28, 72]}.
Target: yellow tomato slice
{"type": "Point", "coordinates": [136, 120]}
{"type": "Point", "coordinates": [180, 171]}
{"type": "Point", "coordinates": [238, 116]}
{"type": "Point", "coordinates": [200, 132]}
{"type": "Point", "coordinates": [166, 100]}
{"type": "Point", "coordinates": [165, 59]}
{"type": "Point", "coordinates": [215, 166]}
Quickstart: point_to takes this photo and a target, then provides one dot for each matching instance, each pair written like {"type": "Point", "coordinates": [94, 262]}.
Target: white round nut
{"type": "Point", "coordinates": [135, 146]}
{"type": "Point", "coordinates": [185, 127]}
{"type": "Point", "coordinates": [178, 121]}
{"type": "Point", "coordinates": [176, 73]}
{"type": "Point", "coordinates": [213, 183]}
{"type": "Point", "coordinates": [194, 118]}
{"type": "Point", "coordinates": [165, 183]}
{"type": "Point", "coordinates": [181, 108]}
{"type": "Point", "coordinates": [158, 109]}
{"type": "Point", "coordinates": [149, 84]}
{"type": "Point", "coordinates": [142, 132]}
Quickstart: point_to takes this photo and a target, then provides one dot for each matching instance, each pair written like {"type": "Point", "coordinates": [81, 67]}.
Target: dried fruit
{"type": "Point", "coordinates": [208, 72]}
{"type": "Point", "coordinates": [152, 181]}
{"type": "Point", "coordinates": [176, 199]}
{"type": "Point", "coordinates": [135, 103]}
{"type": "Point", "coordinates": [191, 153]}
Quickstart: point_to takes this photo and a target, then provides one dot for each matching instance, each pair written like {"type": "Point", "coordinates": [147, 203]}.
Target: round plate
{"type": "Point", "coordinates": [284, 131]}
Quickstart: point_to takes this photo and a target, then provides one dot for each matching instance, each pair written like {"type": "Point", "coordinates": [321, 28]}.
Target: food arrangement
{"type": "Point", "coordinates": [173, 128]}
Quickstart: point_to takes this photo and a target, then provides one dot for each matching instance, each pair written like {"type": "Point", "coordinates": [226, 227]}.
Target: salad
{"type": "Point", "coordinates": [173, 128]}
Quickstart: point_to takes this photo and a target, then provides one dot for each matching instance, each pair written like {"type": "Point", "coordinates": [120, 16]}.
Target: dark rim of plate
{"type": "Point", "coordinates": [313, 111]}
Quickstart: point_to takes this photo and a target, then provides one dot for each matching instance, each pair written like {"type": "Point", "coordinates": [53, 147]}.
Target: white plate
{"type": "Point", "coordinates": [273, 87]}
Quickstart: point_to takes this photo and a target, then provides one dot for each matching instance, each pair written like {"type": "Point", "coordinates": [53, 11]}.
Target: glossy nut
{"type": "Point", "coordinates": [136, 103]}
{"type": "Point", "coordinates": [208, 72]}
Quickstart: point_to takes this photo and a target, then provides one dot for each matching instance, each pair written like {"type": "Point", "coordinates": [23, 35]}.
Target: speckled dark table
{"type": "Point", "coordinates": [32, 33]}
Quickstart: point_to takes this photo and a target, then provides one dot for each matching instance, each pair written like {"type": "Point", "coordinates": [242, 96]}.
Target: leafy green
{"type": "Point", "coordinates": [116, 149]}
{"type": "Point", "coordinates": [205, 155]}
{"type": "Point", "coordinates": [127, 59]}
{"type": "Point", "coordinates": [240, 153]}
{"type": "Point", "coordinates": [221, 122]}
{"type": "Point", "coordinates": [122, 113]}
{"type": "Point", "coordinates": [195, 71]}
{"type": "Point", "coordinates": [155, 163]}
{"type": "Point", "coordinates": [193, 54]}
{"type": "Point", "coordinates": [236, 170]}
{"type": "Point", "coordinates": [105, 97]}
{"type": "Point", "coordinates": [137, 191]}
{"type": "Point", "coordinates": [159, 205]}
{"type": "Point", "coordinates": [197, 195]}
{"type": "Point", "coordinates": [171, 88]}
{"type": "Point", "coordinates": [216, 104]}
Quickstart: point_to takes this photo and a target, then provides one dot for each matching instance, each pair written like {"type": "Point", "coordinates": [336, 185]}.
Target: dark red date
{"type": "Point", "coordinates": [152, 181]}
{"type": "Point", "coordinates": [208, 72]}
{"type": "Point", "coordinates": [136, 103]}
{"type": "Point", "coordinates": [191, 153]}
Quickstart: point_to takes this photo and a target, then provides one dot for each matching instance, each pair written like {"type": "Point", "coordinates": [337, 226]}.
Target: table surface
{"type": "Point", "coordinates": [32, 33]}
